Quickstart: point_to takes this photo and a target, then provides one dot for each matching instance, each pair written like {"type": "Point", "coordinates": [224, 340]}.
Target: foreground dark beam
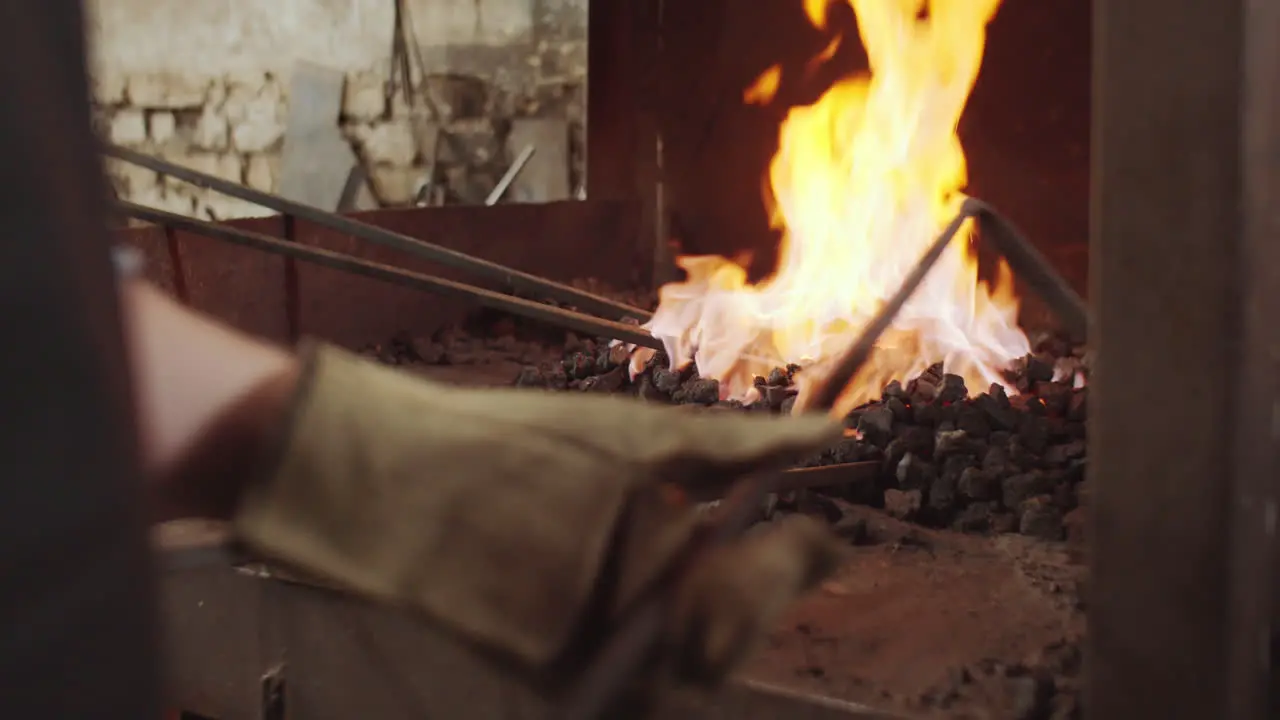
{"type": "Point", "coordinates": [1185, 266]}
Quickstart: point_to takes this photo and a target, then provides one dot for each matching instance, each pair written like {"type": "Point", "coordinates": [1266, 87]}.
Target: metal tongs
{"type": "Point", "coordinates": [634, 641]}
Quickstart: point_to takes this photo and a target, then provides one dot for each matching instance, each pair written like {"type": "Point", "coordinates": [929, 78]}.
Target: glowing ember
{"type": "Point", "coordinates": [863, 180]}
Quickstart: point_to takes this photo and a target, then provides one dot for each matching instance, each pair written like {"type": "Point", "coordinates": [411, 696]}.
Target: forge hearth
{"type": "Point", "coordinates": [946, 456]}
{"type": "Point", "coordinates": [964, 590]}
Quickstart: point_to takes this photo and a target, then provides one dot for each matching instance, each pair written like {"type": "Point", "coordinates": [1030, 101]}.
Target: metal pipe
{"type": "Point", "coordinates": [637, 636]}
{"type": "Point", "coordinates": [510, 175]}
{"type": "Point", "coordinates": [1028, 264]}
{"type": "Point", "coordinates": [551, 314]}
{"type": "Point", "coordinates": [516, 279]}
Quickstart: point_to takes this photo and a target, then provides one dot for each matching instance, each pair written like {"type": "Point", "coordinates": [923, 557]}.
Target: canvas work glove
{"type": "Point", "coordinates": [495, 512]}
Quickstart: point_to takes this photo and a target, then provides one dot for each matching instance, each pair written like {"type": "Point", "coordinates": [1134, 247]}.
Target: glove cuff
{"type": "Point", "coordinates": [384, 483]}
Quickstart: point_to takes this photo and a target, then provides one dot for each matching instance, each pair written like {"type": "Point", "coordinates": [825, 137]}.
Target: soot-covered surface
{"type": "Point", "coordinates": [962, 596]}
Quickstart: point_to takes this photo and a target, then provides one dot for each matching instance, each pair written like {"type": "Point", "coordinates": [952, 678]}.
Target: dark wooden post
{"type": "Point", "coordinates": [623, 148]}
{"type": "Point", "coordinates": [1185, 273]}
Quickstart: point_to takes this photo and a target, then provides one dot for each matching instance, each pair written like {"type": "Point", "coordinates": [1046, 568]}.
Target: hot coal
{"type": "Point", "coordinates": [950, 457]}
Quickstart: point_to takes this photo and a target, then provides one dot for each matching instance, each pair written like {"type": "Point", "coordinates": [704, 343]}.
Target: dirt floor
{"type": "Point", "coordinates": [935, 624]}
{"type": "Point", "coordinates": [925, 623]}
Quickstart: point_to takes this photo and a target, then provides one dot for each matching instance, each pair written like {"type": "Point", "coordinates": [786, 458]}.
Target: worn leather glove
{"type": "Point", "coordinates": [497, 512]}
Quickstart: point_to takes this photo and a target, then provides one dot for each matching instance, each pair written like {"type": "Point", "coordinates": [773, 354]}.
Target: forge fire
{"type": "Point", "coordinates": [862, 182]}
{"type": "Point", "coordinates": [964, 420]}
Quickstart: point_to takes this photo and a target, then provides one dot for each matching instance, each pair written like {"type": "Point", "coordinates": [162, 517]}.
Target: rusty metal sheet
{"type": "Point", "coordinates": [153, 243]}
{"type": "Point", "coordinates": [242, 287]}
{"type": "Point", "coordinates": [560, 241]}
{"type": "Point", "coordinates": [259, 293]}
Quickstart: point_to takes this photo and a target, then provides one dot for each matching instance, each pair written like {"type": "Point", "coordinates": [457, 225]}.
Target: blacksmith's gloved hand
{"type": "Point", "coordinates": [495, 512]}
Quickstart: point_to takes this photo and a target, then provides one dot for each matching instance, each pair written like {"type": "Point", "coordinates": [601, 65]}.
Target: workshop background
{"type": "Point", "coordinates": [209, 84]}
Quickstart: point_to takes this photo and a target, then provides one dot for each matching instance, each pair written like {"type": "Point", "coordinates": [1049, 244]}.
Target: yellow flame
{"type": "Point", "coordinates": [761, 91]}
{"type": "Point", "coordinates": [863, 180]}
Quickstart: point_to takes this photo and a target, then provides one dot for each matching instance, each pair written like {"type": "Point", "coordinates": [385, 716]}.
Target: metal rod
{"type": "Point", "coordinates": [1032, 267]}
{"type": "Point", "coordinates": [638, 635]}
{"type": "Point", "coordinates": [830, 388]}
{"type": "Point", "coordinates": [397, 276]}
{"type": "Point", "coordinates": [516, 279]}
{"type": "Point", "coordinates": [510, 175]}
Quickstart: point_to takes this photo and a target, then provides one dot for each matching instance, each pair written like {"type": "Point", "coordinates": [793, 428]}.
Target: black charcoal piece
{"type": "Point", "coordinates": [996, 410]}
{"type": "Point", "coordinates": [894, 390]}
{"type": "Point", "coordinates": [917, 440]}
{"type": "Point", "coordinates": [665, 380]}
{"type": "Point", "coordinates": [1039, 518]}
{"type": "Point", "coordinates": [1061, 454]}
{"type": "Point", "coordinates": [531, 377]}
{"type": "Point", "coordinates": [1003, 522]}
{"type": "Point", "coordinates": [913, 473]}
{"type": "Point", "coordinates": [572, 343]}
{"type": "Point", "coordinates": [1054, 395]}
{"type": "Point", "coordinates": [978, 484]}
{"type": "Point", "coordinates": [955, 465]}
{"type": "Point", "coordinates": [778, 376]}
{"type": "Point", "coordinates": [951, 442]}
{"type": "Point", "coordinates": [579, 366]}
{"type": "Point", "coordinates": [557, 380]}
{"type": "Point", "coordinates": [698, 391]}
{"type": "Point", "coordinates": [1064, 496]}
{"type": "Point", "coordinates": [1017, 489]}
{"type": "Point", "coordinates": [952, 389]}
{"type": "Point", "coordinates": [852, 530]}
{"type": "Point", "coordinates": [975, 517]}
{"type": "Point", "coordinates": [846, 450]}
{"type": "Point", "coordinates": [1033, 433]}
{"type": "Point", "coordinates": [926, 413]}
{"type": "Point", "coordinates": [973, 421]}
{"type": "Point", "coordinates": [922, 389]}
{"type": "Point", "coordinates": [997, 462]}
{"type": "Point", "coordinates": [609, 382]}
{"type": "Point", "coordinates": [876, 425]}
{"type": "Point", "coordinates": [1051, 344]}
{"type": "Point", "coordinates": [903, 504]}
{"type": "Point", "coordinates": [901, 413]}
{"type": "Point", "coordinates": [646, 390]}
{"type": "Point", "coordinates": [943, 493]}
{"type": "Point", "coordinates": [1039, 368]}
{"type": "Point", "coordinates": [1078, 405]}
{"type": "Point", "coordinates": [788, 405]}
{"type": "Point", "coordinates": [775, 394]}
{"type": "Point", "coordinates": [893, 454]}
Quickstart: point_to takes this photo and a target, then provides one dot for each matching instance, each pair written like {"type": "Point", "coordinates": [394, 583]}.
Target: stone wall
{"type": "Point", "coordinates": [205, 83]}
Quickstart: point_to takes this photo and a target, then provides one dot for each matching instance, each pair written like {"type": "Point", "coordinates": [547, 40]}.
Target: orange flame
{"type": "Point", "coordinates": [863, 181]}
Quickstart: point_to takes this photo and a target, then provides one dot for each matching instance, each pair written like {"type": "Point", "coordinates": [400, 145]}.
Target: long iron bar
{"type": "Point", "coordinates": [638, 636]}
{"type": "Point", "coordinates": [516, 279]}
{"type": "Point", "coordinates": [1028, 264]}
{"type": "Point", "coordinates": [551, 314]}
{"type": "Point", "coordinates": [636, 639]}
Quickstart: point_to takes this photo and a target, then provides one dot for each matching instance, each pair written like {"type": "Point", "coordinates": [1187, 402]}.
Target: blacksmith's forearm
{"type": "Point", "coordinates": [209, 399]}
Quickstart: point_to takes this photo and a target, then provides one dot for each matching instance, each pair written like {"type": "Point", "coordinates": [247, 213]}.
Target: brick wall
{"type": "Point", "coordinates": [204, 83]}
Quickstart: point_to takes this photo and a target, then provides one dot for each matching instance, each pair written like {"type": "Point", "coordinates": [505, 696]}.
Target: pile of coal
{"type": "Point", "coordinates": [488, 336]}
{"type": "Point", "coordinates": [950, 456]}
{"type": "Point", "coordinates": [454, 345]}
